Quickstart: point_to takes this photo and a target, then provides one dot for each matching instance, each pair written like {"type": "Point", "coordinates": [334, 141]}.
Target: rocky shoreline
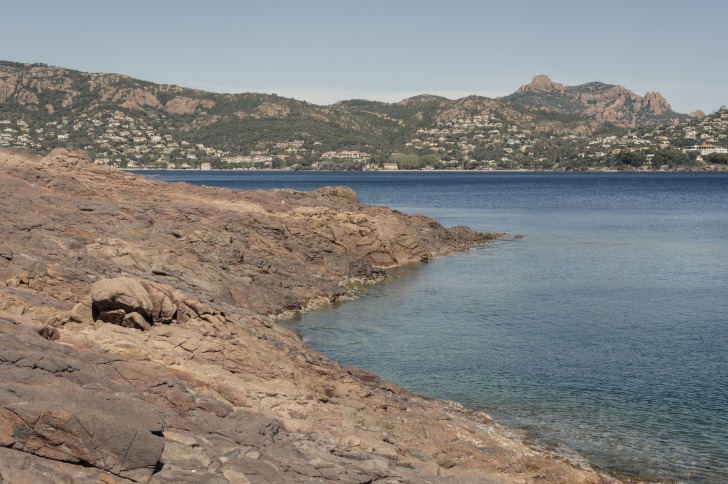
{"type": "Point", "coordinates": [138, 340]}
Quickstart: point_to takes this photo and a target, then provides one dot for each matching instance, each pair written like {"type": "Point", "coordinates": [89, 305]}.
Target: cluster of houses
{"type": "Point", "coordinates": [346, 155]}
{"type": "Point", "coordinates": [124, 141]}
{"type": "Point", "coordinates": [116, 139]}
{"type": "Point", "coordinates": [250, 159]}
{"type": "Point", "coordinates": [487, 143]}
{"type": "Point", "coordinates": [19, 134]}
{"type": "Point", "coordinates": [711, 131]}
{"type": "Point", "coordinates": [483, 142]}
{"type": "Point", "coordinates": [456, 141]}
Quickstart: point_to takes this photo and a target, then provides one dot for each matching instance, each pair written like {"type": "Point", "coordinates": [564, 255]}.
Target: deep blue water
{"type": "Point", "coordinates": [604, 331]}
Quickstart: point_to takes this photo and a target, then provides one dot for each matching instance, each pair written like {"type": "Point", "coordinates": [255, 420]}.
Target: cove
{"type": "Point", "coordinates": [602, 332]}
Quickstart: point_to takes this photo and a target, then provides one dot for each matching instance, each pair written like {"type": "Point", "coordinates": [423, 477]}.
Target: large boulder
{"type": "Point", "coordinates": [121, 293]}
{"type": "Point", "coordinates": [164, 301]}
{"type": "Point", "coordinates": [135, 303]}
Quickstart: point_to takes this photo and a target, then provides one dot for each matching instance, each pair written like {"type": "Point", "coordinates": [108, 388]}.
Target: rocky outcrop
{"type": "Point", "coordinates": [621, 106]}
{"type": "Point", "coordinates": [136, 99]}
{"type": "Point", "coordinates": [63, 406]}
{"type": "Point", "coordinates": [272, 110]}
{"type": "Point", "coordinates": [656, 104]}
{"type": "Point", "coordinates": [137, 343]}
{"type": "Point", "coordinates": [187, 105]}
{"type": "Point", "coordinates": [542, 83]}
{"type": "Point", "coordinates": [596, 101]}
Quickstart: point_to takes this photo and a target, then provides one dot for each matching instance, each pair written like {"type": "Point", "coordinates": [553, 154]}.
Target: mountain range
{"type": "Point", "coordinates": [238, 124]}
{"type": "Point", "coordinates": [597, 101]}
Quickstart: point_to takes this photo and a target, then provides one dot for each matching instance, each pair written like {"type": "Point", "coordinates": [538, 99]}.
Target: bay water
{"type": "Point", "coordinates": [603, 332]}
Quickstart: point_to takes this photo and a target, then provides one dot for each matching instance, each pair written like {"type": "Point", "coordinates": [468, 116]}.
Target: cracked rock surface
{"type": "Point", "coordinates": [138, 340]}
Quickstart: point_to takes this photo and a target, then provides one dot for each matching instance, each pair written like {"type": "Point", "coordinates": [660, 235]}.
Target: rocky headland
{"type": "Point", "coordinates": [138, 340]}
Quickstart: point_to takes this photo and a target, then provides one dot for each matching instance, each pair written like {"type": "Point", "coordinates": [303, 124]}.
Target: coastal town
{"type": "Point", "coordinates": [544, 125]}
{"type": "Point", "coordinates": [475, 143]}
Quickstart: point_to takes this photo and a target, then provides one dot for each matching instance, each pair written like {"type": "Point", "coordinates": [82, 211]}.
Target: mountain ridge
{"type": "Point", "coordinates": [598, 101]}
{"type": "Point", "coordinates": [147, 94]}
{"type": "Point", "coordinates": [127, 122]}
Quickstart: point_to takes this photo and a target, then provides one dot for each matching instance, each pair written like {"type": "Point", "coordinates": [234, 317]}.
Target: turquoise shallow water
{"type": "Point", "coordinates": [603, 331]}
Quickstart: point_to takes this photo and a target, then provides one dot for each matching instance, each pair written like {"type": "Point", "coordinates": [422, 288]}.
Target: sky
{"type": "Point", "coordinates": [323, 51]}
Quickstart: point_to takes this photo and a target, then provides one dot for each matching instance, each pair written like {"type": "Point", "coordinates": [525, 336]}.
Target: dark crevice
{"type": "Point", "coordinates": [158, 467]}
{"type": "Point", "coordinates": [95, 312]}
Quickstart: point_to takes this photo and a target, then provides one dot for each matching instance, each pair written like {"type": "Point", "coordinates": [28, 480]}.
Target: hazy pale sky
{"type": "Point", "coordinates": [324, 51]}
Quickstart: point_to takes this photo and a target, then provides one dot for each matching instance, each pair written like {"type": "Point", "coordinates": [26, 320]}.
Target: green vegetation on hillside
{"type": "Point", "coordinates": [126, 122]}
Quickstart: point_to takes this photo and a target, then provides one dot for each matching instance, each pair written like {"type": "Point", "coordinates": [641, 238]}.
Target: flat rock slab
{"type": "Point", "coordinates": [137, 339]}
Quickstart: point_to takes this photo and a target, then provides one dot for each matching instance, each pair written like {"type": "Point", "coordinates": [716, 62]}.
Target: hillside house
{"type": "Point", "coordinates": [708, 149]}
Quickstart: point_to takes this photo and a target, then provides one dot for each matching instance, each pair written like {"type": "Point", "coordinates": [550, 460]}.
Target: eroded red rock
{"type": "Point", "coordinates": [194, 381]}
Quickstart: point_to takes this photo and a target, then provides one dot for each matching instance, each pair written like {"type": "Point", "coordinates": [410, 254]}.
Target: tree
{"type": "Point", "coordinates": [630, 158]}
{"type": "Point", "coordinates": [431, 160]}
{"type": "Point", "coordinates": [720, 158]}
{"type": "Point", "coordinates": [406, 161]}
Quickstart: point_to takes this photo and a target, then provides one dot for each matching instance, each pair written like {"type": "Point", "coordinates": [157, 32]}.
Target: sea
{"type": "Point", "coordinates": [602, 334]}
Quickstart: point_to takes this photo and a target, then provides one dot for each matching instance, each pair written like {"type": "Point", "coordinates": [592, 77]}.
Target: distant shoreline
{"type": "Point", "coordinates": [274, 170]}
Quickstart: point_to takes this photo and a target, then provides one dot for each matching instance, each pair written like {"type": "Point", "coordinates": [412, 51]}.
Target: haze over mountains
{"type": "Point", "coordinates": [472, 131]}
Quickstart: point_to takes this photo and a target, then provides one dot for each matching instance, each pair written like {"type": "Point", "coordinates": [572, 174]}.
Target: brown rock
{"type": "Point", "coordinates": [164, 307]}
{"type": "Point", "coordinates": [82, 313]}
{"type": "Point", "coordinates": [136, 321]}
{"type": "Point", "coordinates": [272, 110]}
{"type": "Point", "coordinates": [137, 99]}
{"type": "Point", "coordinates": [221, 392]}
{"type": "Point", "coordinates": [181, 105]}
{"type": "Point", "coordinates": [81, 419]}
{"type": "Point", "coordinates": [542, 83]}
{"type": "Point", "coordinates": [122, 293]}
{"type": "Point", "coordinates": [114, 316]}
{"type": "Point", "coordinates": [66, 158]}
{"type": "Point", "coordinates": [656, 104]}
{"type": "Point", "coordinates": [344, 193]}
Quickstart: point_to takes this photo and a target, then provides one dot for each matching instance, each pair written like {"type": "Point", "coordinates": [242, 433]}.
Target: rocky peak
{"type": "Point", "coordinates": [618, 92]}
{"type": "Point", "coordinates": [655, 103]}
{"type": "Point", "coordinates": [699, 114]}
{"type": "Point", "coordinates": [594, 100]}
{"type": "Point", "coordinates": [542, 83]}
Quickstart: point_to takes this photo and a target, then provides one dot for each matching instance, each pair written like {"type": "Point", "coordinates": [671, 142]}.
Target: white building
{"type": "Point", "coordinates": [707, 149]}
{"type": "Point", "coordinates": [346, 155]}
